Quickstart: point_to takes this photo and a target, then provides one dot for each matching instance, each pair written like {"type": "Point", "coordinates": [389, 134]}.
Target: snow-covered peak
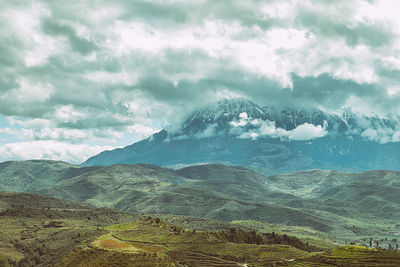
{"type": "Point", "coordinates": [238, 116]}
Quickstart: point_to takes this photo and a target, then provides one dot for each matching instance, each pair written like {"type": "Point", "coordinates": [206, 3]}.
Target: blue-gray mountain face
{"type": "Point", "coordinates": [269, 140]}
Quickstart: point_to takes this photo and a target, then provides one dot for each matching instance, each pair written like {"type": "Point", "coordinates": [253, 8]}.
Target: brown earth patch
{"type": "Point", "coordinates": [148, 247]}
{"type": "Point", "coordinates": [112, 244]}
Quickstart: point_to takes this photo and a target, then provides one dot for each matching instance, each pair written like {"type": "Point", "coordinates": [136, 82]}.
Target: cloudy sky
{"type": "Point", "coordinates": [78, 77]}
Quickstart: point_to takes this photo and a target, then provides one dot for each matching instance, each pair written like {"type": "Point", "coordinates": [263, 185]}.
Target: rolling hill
{"type": "Point", "coordinates": [30, 175]}
{"type": "Point", "coordinates": [151, 189]}
{"type": "Point", "coordinates": [345, 205]}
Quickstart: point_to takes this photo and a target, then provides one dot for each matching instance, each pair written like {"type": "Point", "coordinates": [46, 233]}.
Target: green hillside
{"type": "Point", "coordinates": [347, 206]}
{"type": "Point", "coordinates": [31, 175]}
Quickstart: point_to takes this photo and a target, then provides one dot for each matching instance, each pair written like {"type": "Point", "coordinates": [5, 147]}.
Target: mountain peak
{"type": "Point", "coordinates": [268, 139]}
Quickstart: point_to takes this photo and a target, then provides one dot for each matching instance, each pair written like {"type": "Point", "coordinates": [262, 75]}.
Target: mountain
{"type": "Point", "coordinates": [30, 175]}
{"type": "Point", "coordinates": [268, 140]}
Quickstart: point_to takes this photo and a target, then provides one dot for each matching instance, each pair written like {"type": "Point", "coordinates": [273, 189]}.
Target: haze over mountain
{"type": "Point", "coordinates": [269, 140]}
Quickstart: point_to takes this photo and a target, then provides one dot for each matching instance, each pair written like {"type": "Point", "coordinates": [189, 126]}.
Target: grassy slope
{"type": "Point", "coordinates": [31, 175]}
{"type": "Point", "coordinates": [151, 189]}
{"type": "Point", "coordinates": [348, 206]}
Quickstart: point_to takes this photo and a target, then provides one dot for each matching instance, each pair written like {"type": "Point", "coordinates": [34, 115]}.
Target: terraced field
{"type": "Point", "coordinates": [151, 240]}
{"type": "Point", "coordinates": [352, 256]}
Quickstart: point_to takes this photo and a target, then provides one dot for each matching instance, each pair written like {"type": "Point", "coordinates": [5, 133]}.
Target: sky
{"type": "Point", "coordinates": [79, 77]}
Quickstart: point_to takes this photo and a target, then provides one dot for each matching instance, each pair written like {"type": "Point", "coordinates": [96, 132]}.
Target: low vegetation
{"type": "Point", "coordinates": [67, 234]}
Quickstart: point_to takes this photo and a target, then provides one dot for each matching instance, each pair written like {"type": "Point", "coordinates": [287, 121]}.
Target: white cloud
{"type": "Point", "coordinates": [68, 113]}
{"type": "Point", "coordinates": [52, 150]}
{"type": "Point", "coordinates": [249, 135]}
{"type": "Point", "coordinates": [305, 131]}
{"type": "Point", "coordinates": [32, 123]}
{"type": "Point", "coordinates": [382, 135]}
{"type": "Point", "coordinates": [141, 131]}
{"type": "Point", "coordinates": [108, 78]}
{"type": "Point", "coordinates": [25, 23]}
{"type": "Point", "coordinates": [243, 120]}
{"type": "Point", "coordinates": [62, 134]}
{"type": "Point", "coordinates": [28, 92]}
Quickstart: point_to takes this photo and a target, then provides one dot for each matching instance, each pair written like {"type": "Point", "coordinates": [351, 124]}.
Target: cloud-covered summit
{"type": "Point", "coordinates": [108, 73]}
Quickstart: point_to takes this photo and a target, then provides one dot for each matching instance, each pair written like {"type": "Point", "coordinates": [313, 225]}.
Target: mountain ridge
{"type": "Point", "coordinates": [268, 140]}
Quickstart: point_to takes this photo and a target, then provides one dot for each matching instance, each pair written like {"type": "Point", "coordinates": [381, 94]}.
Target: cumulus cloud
{"type": "Point", "coordinates": [382, 135]}
{"type": "Point", "coordinates": [304, 131]}
{"type": "Point", "coordinates": [307, 131]}
{"type": "Point", "coordinates": [267, 128]}
{"type": "Point", "coordinates": [243, 120]}
{"type": "Point", "coordinates": [134, 67]}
